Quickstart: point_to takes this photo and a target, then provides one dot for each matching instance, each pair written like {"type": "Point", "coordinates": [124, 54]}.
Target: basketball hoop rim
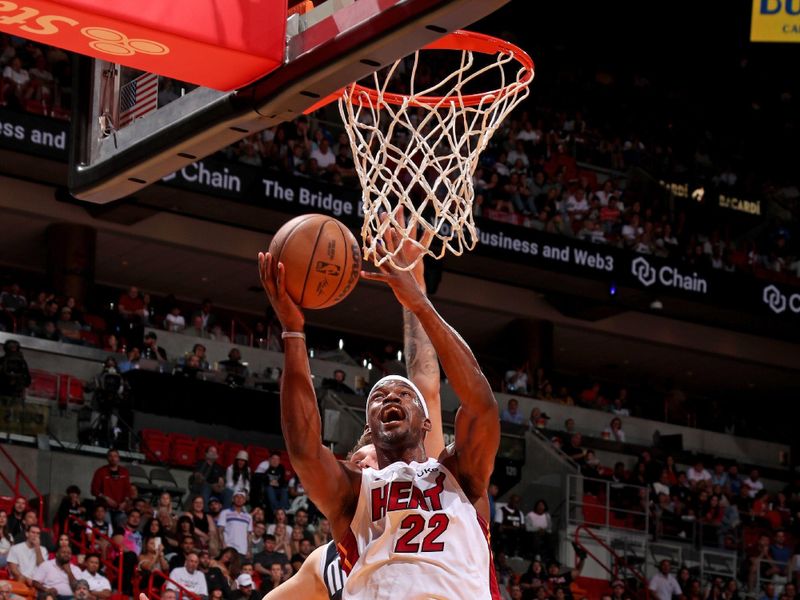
{"type": "Point", "coordinates": [456, 40]}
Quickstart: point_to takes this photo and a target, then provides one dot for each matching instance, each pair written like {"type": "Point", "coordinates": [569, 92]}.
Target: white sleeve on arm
{"type": "Point", "coordinates": [498, 515]}
{"type": "Point", "coordinates": [676, 588]}
{"type": "Point", "coordinates": [202, 586]}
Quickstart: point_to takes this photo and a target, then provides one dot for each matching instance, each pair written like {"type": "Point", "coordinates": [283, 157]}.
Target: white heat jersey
{"type": "Point", "coordinates": [416, 536]}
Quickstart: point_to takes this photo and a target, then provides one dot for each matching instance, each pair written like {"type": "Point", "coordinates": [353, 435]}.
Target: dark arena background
{"type": "Point", "coordinates": [634, 300]}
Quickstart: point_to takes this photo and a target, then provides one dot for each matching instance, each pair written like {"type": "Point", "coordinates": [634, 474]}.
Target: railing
{"type": "Point", "coordinates": [87, 542]}
{"type": "Point", "coordinates": [605, 503]}
{"type": "Point", "coordinates": [771, 571]}
{"type": "Point", "coordinates": [718, 563]}
{"type": "Point", "coordinates": [618, 562]}
{"type": "Point", "coordinates": [154, 591]}
{"type": "Point", "coordinates": [236, 322]}
{"type": "Point", "coordinates": [13, 482]}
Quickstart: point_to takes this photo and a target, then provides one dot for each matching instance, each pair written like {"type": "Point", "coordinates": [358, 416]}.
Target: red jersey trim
{"type": "Point", "coordinates": [494, 589]}
{"type": "Point", "coordinates": [348, 551]}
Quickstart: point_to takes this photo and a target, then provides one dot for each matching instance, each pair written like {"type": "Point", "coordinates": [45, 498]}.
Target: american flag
{"type": "Point", "coordinates": [137, 98]}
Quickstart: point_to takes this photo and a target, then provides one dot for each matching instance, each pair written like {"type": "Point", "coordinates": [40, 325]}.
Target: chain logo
{"type": "Point", "coordinates": [773, 298]}
{"type": "Point", "coordinates": [116, 43]}
{"type": "Point", "coordinates": [643, 271]}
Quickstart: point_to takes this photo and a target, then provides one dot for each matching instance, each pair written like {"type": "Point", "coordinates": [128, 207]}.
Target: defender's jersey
{"type": "Point", "coordinates": [330, 567]}
{"type": "Point", "coordinates": [415, 536]}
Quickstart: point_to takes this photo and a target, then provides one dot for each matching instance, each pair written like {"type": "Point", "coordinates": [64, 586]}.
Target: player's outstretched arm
{"type": "Point", "coordinates": [477, 420]}
{"type": "Point", "coordinates": [422, 363]}
{"type": "Point", "coordinates": [306, 584]}
{"type": "Point", "coordinates": [330, 484]}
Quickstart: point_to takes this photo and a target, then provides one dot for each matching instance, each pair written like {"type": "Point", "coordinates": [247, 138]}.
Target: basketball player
{"type": "Point", "coordinates": [408, 529]}
{"type": "Point", "coordinates": [321, 577]}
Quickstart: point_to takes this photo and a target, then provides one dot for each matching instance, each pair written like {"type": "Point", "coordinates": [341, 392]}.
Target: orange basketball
{"type": "Point", "coordinates": [322, 259]}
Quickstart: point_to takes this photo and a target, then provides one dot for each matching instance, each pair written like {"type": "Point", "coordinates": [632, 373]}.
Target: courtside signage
{"type": "Point", "coordinates": [775, 21]}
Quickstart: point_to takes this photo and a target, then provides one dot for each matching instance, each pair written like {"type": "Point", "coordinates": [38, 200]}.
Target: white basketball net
{"type": "Point", "coordinates": [420, 155]}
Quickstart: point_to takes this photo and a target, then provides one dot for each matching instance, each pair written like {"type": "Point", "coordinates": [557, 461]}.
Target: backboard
{"type": "Point", "coordinates": [128, 133]}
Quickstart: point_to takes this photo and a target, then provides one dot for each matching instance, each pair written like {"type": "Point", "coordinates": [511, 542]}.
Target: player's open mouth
{"type": "Point", "coordinates": [393, 413]}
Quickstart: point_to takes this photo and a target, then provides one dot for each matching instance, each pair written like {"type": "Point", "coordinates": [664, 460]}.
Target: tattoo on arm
{"type": "Point", "coordinates": [421, 359]}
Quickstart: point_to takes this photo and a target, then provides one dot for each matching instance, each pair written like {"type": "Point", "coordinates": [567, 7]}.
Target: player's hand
{"type": "Point", "coordinates": [273, 279]}
{"type": "Point", "coordinates": [403, 283]}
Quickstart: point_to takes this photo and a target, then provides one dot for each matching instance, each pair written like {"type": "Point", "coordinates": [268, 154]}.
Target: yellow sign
{"type": "Point", "coordinates": [775, 21]}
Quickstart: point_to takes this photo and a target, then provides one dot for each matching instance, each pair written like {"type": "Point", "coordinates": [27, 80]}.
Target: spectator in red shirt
{"type": "Point", "coordinates": [131, 306]}
{"type": "Point", "coordinates": [133, 315]}
{"type": "Point", "coordinates": [111, 484]}
{"type": "Point", "coordinates": [610, 215]}
{"type": "Point", "coordinates": [589, 397]}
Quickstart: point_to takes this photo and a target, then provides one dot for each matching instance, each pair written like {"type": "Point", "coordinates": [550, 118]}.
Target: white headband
{"type": "Point", "coordinates": [406, 381]}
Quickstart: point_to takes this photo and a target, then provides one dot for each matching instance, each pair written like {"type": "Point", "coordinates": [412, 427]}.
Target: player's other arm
{"type": "Point", "coordinates": [423, 368]}
{"type": "Point", "coordinates": [330, 484]}
{"type": "Point", "coordinates": [306, 584]}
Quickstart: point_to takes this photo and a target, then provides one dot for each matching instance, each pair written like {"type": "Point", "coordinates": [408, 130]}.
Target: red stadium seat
{"type": "Point", "coordinates": [43, 385]}
{"type": "Point", "coordinates": [155, 445]}
{"type": "Point", "coordinates": [228, 451]}
{"type": "Point", "coordinates": [183, 452]}
{"type": "Point", "coordinates": [257, 454]}
{"type": "Point", "coordinates": [70, 390]}
{"type": "Point", "coordinates": [36, 107]}
{"type": "Point", "coordinates": [90, 338]}
{"type": "Point", "coordinates": [287, 464]}
{"type": "Point", "coordinates": [593, 511]}
{"type": "Point", "coordinates": [95, 322]}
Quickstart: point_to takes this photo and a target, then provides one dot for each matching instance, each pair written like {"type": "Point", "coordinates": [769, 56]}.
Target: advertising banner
{"type": "Point", "coordinates": [505, 240]}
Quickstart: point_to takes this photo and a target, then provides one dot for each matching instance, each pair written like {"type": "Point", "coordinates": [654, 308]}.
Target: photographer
{"type": "Point", "coordinates": [110, 393]}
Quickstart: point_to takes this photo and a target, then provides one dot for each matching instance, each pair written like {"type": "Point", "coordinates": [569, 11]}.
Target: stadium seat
{"type": "Point", "coordinates": [228, 451]}
{"type": "Point", "coordinates": [140, 479]}
{"type": "Point", "coordinates": [70, 389]}
{"type": "Point", "coordinates": [90, 338]}
{"type": "Point", "coordinates": [183, 452]}
{"type": "Point", "coordinates": [257, 454]}
{"type": "Point", "coordinates": [162, 479]}
{"type": "Point", "coordinates": [593, 510]}
{"type": "Point", "coordinates": [95, 322]}
{"type": "Point", "coordinates": [155, 445]}
{"type": "Point", "coordinates": [43, 385]}
{"type": "Point", "coordinates": [590, 588]}
{"type": "Point", "coordinates": [287, 464]}
{"type": "Point", "coordinates": [176, 437]}
{"type": "Point", "coordinates": [36, 107]}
